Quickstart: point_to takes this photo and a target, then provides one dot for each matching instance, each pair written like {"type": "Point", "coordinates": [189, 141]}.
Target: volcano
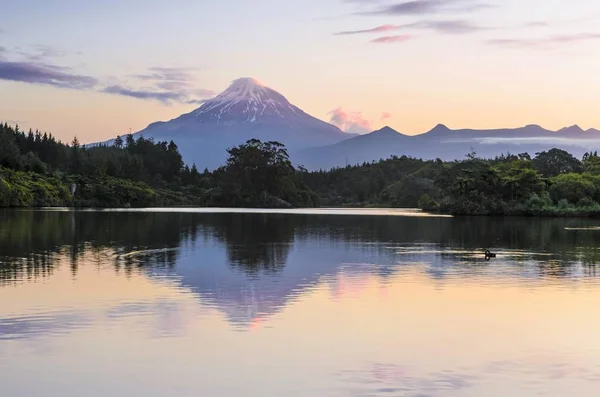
{"type": "Point", "coordinates": [246, 109]}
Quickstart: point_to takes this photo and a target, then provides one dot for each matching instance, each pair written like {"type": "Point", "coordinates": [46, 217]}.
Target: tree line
{"type": "Point", "coordinates": [38, 170]}
{"type": "Point", "coordinates": [552, 182]}
{"type": "Point", "coordinates": [156, 163]}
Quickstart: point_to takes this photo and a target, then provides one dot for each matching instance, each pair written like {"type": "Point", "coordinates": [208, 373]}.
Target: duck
{"type": "Point", "coordinates": [489, 255]}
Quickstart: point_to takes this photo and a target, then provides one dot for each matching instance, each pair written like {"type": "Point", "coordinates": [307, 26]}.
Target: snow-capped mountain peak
{"type": "Point", "coordinates": [245, 88]}
{"type": "Point", "coordinates": [247, 109]}
{"type": "Point", "coordinates": [246, 100]}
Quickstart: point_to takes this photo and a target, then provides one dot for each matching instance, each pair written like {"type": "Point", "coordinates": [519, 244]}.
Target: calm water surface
{"type": "Point", "coordinates": [309, 303]}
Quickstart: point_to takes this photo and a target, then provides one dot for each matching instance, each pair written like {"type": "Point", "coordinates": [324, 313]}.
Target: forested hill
{"type": "Point", "coordinates": [38, 170]}
{"type": "Point", "coordinates": [552, 183]}
{"type": "Point", "coordinates": [140, 160]}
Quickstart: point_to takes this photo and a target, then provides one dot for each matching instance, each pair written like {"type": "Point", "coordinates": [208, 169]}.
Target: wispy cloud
{"type": "Point", "coordinates": [451, 27]}
{"type": "Point", "coordinates": [512, 42]}
{"type": "Point", "coordinates": [573, 38]}
{"type": "Point", "coordinates": [34, 70]}
{"type": "Point", "coordinates": [352, 122]}
{"type": "Point", "coordinates": [385, 115]}
{"type": "Point", "coordinates": [45, 74]}
{"type": "Point", "coordinates": [203, 93]}
{"type": "Point", "coordinates": [546, 42]}
{"type": "Point", "coordinates": [426, 7]}
{"type": "Point", "coordinates": [560, 22]}
{"type": "Point", "coordinates": [378, 29]}
{"type": "Point", "coordinates": [444, 27]}
{"type": "Point", "coordinates": [162, 84]}
{"type": "Point", "coordinates": [42, 53]}
{"type": "Point", "coordinates": [392, 39]}
{"type": "Point", "coordinates": [46, 51]}
{"type": "Point", "coordinates": [162, 96]}
{"type": "Point", "coordinates": [165, 84]}
{"type": "Point", "coordinates": [166, 74]}
{"type": "Point", "coordinates": [536, 24]}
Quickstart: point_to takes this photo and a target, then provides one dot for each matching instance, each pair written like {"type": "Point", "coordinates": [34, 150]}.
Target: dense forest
{"type": "Point", "coordinates": [38, 170]}
{"type": "Point", "coordinates": [552, 183]}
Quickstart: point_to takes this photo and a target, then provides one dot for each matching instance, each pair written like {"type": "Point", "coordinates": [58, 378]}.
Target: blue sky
{"type": "Point", "coordinates": [98, 68]}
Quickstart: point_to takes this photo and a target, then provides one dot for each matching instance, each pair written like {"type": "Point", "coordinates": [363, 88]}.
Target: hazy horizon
{"type": "Point", "coordinates": [99, 69]}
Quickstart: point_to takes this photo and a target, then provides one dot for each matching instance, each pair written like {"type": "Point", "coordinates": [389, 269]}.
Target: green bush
{"type": "Point", "coordinates": [586, 202]}
{"type": "Point", "coordinates": [572, 188]}
{"type": "Point", "coordinates": [426, 203]}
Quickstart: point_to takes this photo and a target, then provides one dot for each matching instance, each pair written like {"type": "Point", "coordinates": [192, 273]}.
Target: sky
{"type": "Point", "coordinates": [97, 69]}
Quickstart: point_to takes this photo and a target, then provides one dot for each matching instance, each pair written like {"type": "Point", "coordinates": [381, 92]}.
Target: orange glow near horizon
{"type": "Point", "coordinates": [413, 111]}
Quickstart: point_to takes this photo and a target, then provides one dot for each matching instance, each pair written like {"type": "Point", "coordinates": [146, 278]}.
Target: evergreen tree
{"type": "Point", "coordinates": [118, 142]}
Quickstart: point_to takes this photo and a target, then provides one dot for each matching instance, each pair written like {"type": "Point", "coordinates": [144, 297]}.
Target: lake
{"type": "Point", "coordinates": [326, 303]}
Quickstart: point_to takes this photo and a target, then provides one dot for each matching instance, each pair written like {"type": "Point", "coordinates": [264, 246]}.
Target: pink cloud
{"type": "Point", "coordinates": [392, 39]}
{"type": "Point", "coordinates": [352, 122]}
{"type": "Point", "coordinates": [386, 28]}
{"type": "Point", "coordinates": [378, 29]}
{"type": "Point", "coordinates": [385, 115]}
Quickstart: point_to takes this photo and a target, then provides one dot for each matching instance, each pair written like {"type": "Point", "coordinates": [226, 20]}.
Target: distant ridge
{"type": "Point", "coordinates": [448, 144]}
{"type": "Point", "coordinates": [574, 129]}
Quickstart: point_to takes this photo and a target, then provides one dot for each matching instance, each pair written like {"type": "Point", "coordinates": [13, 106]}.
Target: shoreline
{"type": "Point", "coordinates": [326, 210]}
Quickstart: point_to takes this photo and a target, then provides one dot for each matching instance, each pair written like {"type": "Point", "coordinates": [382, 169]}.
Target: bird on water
{"type": "Point", "coordinates": [489, 255]}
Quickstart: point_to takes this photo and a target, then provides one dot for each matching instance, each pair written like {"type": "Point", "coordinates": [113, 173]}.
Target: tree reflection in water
{"type": "Point", "coordinates": [31, 242]}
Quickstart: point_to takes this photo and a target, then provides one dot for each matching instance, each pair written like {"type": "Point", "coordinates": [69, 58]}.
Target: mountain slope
{"type": "Point", "coordinates": [245, 110]}
{"type": "Point", "coordinates": [447, 144]}
{"type": "Point", "coordinates": [376, 145]}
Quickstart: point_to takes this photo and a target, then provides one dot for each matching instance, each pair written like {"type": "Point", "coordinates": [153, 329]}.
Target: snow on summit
{"type": "Point", "coordinates": [245, 88]}
{"type": "Point", "coordinates": [246, 100]}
